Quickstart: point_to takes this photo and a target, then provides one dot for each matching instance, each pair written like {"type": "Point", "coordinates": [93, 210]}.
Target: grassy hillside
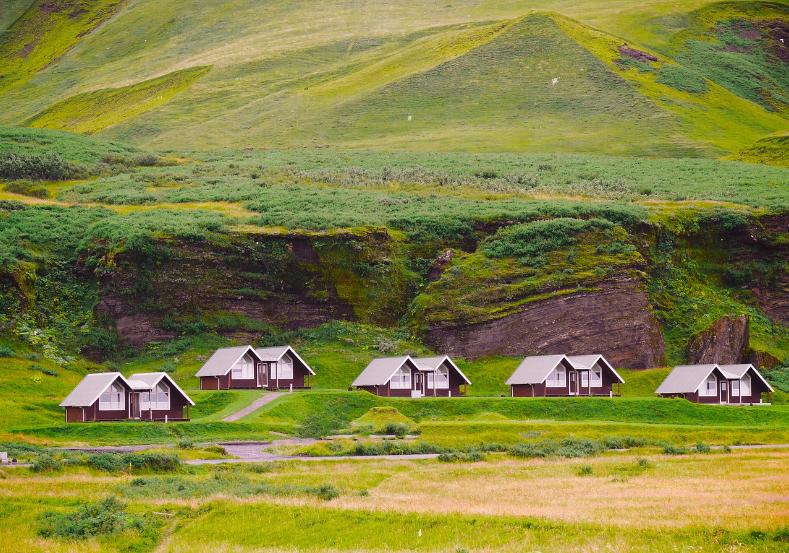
{"type": "Point", "coordinates": [477, 76]}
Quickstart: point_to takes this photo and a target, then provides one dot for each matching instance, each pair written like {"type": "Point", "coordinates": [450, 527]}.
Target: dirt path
{"type": "Point", "coordinates": [254, 406]}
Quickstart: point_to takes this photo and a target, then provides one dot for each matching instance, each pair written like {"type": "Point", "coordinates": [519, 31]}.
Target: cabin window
{"type": "Point", "coordinates": [735, 388]}
{"type": "Point", "coordinates": [745, 385]}
{"type": "Point", "coordinates": [441, 377]}
{"type": "Point", "coordinates": [401, 380]}
{"type": "Point", "coordinates": [244, 369]}
{"type": "Point", "coordinates": [158, 399]}
{"type": "Point", "coordinates": [113, 398]}
{"type": "Point", "coordinates": [585, 379]}
{"type": "Point", "coordinates": [597, 377]}
{"type": "Point", "coordinates": [286, 368]}
{"type": "Point", "coordinates": [710, 386]}
{"type": "Point", "coordinates": [558, 377]}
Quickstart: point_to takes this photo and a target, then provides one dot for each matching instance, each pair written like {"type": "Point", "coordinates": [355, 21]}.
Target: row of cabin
{"type": "Point", "coordinates": [111, 397]}
{"type": "Point", "coordinates": [720, 384]}
{"type": "Point", "coordinates": [156, 396]}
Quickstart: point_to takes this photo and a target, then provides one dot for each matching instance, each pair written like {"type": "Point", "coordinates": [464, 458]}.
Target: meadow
{"type": "Point", "coordinates": [628, 501]}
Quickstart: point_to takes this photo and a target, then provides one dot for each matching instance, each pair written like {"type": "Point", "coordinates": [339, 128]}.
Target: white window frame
{"type": "Point", "coordinates": [160, 405]}
{"type": "Point", "coordinates": [557, 378]}
{"type": "Point", "coordinates": [145, 401]}
{"type": "Point", "coordinates": [709, 388]}
{"type": "Point", "coordinates": [401, 379]}
{"type": "Point", "coordinates": [597, 377]}
{"type": "Point", "coordinates": [113, 398]}
{"type": "Point", "coordinates": [735, 388]}
{"type": "Point", "coordinates": [244, 369]}
{"type": "Point", "coordinates": [441, 377]}
{"type": "Point", "coordinates": [286, 369]}
{"type": "Point", "coordinates": [746, 384]}
{"type": "Point", "coordinates": [584, 379]}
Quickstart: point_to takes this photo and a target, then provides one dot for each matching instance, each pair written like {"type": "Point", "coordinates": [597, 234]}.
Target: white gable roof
{"type": "Point", "coordinates": [150, 380]}
{"type": "Point", "coordinates": [381, 369]}
{"type": "Point", "coordinates": [435, 362]}
{"type": "Point", "coordinates": [90, 389]}
{"type": "Point", "coordinates": [588, 361]}
{"type": "Point", "coordinates": [536, 368]}
{"type": "Point", "coordinates": [223, 359]}
{"type": "Point", "coordinates": [685, 379]}
{"type": "Point", "coordinates": [734, 372]}
{"type": "Point", "coordinates": [275, 354]}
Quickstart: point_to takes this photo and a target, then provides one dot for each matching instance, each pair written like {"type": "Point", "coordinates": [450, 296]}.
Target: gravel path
{"type": "Point", "coordinates": [254, 406]}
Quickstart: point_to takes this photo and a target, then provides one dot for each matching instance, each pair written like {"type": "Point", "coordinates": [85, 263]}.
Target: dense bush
{"type": "Point", "coordinates": [111, 462]}
{"type": "Point", "coordinates": [46, 463]}
{"type": "Point", "coordinates": [5, 351]}
{"type": "Point", "coordinates": [49, 166]}
{"type": "Point", "coordinates": [95, 519]}
{"type": "Point", "coordinates": [43, 370]}
{"type": "Point", "coordinates": [27, 188]}
{"type": "Point", "coordinates": [455, 457]}
{"type": "Point", "coordinates": [396, 428]}
{"type": "Point", "coordinates": [530, 240]}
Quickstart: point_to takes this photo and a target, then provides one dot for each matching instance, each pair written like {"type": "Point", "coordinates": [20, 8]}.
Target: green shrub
{"type": "Point", "coordinates": [146, 160]}
{"type": "Point", "coordinates": [682, 79]}
{"type": "Point", "coordinates": [670, 449]}
{"type": "Point", "coordinates": [701, 447]}
{"type": "Point", "coordinates": [455, 457]}
{"type": "Point", "coordinates": [27, 188]}
{"type": "Point", "coordinates": [46, 463]}
{"type": "Point", "coordinates": [643, 463]}
{"type": "Point", "coordinates": [585, 470]}
{"type": "Point", "coordinates": [396, 428]}
{"type": "Point", "coordinates": [43, 370]}
{"type": "Point", "coordinates": [186, 443]}
{"type": "Point", "coordinates": [95, 519]}
{"type": "Point", "coordinates": [48, 166]}
{"type": "Point", "coordinates": [111, 462]}
{"type": "Point", "coordinates": [5, 351]}
{"type": "Point", "coordinates": [216, 449]}
{"type": "Point", "coordinates": [327, 492]}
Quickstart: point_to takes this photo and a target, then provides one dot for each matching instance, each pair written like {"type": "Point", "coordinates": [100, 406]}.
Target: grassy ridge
{"type": "Point", "coordinates": [772, 149]}
{"type": "Point", "coordinates": [94, 111]}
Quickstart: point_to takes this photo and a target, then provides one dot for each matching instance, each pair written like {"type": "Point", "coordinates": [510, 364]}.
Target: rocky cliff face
{"type": "Point", "coordinates": [725, 342]}
{"type": "Point", "coordinates": [287, 281]}
{"type": "Point", "coordinates": [613, 320]}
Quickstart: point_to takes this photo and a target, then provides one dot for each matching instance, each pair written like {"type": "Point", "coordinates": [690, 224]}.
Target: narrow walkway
{"type": "Point", "coordinates": [254, 406]}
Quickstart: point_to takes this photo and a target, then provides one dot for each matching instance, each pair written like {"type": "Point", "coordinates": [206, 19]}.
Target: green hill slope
{"type": "Point", "coordinates": [471, 76]}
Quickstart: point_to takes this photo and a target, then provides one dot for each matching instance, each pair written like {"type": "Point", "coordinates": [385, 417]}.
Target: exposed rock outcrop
{"type": "Point", "coordinates": [638, 55]}
{"type": "Point", "coordinates": [725, 341]}
{"type": "Point", "coordinates": [614, 320]}
{"type": "Point", "coordinates": [439, 265]}
{"type": "Point", "coordinates": [763, 360]}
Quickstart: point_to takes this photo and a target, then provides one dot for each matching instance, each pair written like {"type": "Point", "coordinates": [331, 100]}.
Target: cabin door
{"type": "Point", "coordinates": [572, 383]}
{"type": "Point", "coordinates": [259, 374]}
{"type": "Point", "coordinates": [724, 392]}
{"type": "Point", "coordinates": [136, 406]}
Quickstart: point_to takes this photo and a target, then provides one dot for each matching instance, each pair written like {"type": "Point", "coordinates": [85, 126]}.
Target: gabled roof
{"type": "Point", "coordinates": [734, 372]}
{"type": "Point", "coordinates": [380, 370]}
{"type": "Point", "coordinates": [536, 368]}
{"type": "Point", "coordinates": [435, 362]}
{"type": "Point", "coordinates": [686, 379]}
{"type": "Point", "coordinates": [90, 388]}
{"type": "Point", "coordinates": [150, 380]}
{"type": "Point", "coordinates": [223, 359]}
{"type": "Point", "coordinates": [588, 361]}
{"type": "Point", "coordinates": [275, 354]}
